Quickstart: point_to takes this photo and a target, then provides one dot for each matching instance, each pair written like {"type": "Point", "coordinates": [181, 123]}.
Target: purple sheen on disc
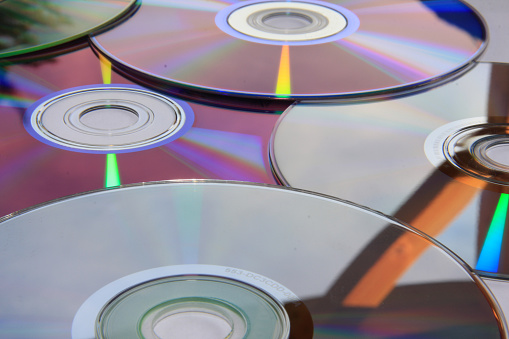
{"type": "Point", "coordinates": [398, 45]}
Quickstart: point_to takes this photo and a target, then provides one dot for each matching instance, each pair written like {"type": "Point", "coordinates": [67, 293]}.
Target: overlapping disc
{"type": "Point", "coordinates": [62, 134]}
{"type": "Point", "coordinates": [256, 261]}
{"type": "Point", "coordinates": [437, 160]}
{"type": "Point", "coordinates": [32, 25]}
{"type": "Point", "coordinates": [298, 49]}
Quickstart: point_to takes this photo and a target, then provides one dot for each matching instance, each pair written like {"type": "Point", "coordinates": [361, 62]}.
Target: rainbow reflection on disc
{"type": "Point", "coordinates": [222, 143]}
{"type": "Point", "coordinates": [425, 159]}
{"type": "Point", "coordinates": [253, 254]}
{"type": "Point", "coordinates": [301, 49]}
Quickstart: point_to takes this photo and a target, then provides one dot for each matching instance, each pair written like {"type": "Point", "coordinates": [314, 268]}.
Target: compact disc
{"type": "Point", "coordinates": [436, 160]}
{"type": "Point", "coordinates": [245, 260]}
{"type": "Point", "coordinates": [32, 25]}
{"type": "Point", "coordinates": [296, 49]}
{"type": "Point", "coordinates": [63, 131]}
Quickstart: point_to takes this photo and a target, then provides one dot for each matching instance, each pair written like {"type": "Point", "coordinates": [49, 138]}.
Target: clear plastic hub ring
{"type": "Point", "coordinates": [107, 119]}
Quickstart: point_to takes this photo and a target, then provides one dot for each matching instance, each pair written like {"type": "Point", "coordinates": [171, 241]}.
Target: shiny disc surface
{"type": "Point", "coordinates": [427, 159]}
{"type": "Point", "coordinates": [358, 273]}
{"type": "Point", "coordinates": [382, 46]}
{"type": "Point", "coordinates": [32, 25]}
{"type": "Point", "coordinates": [222, 143]}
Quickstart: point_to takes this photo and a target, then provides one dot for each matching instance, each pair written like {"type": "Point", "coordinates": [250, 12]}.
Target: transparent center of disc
{"type": "Point", "coordinates": [499, 153]}
{"type": "Point", "coordinates": [192, 325]}
{"type": "Point", "coordinates": [109, 117]}
{"type": "Point", "coordinates": [205, 307]}
{"type": "Point", "coordinates": [287, 20]}
{"type": "Point", "coordinates": [193, 318]}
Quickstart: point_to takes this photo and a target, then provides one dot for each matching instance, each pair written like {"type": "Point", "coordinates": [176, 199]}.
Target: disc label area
{"type": "Point", "coordinates": [296, 49]}
{"type": "Point", "coordinates": [155, 251]}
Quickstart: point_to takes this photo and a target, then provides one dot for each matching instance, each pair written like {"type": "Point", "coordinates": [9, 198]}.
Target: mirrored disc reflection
{"type": "Point", "coordinates": [433, 160]}
{"type": "Point", "coordinates": [294, 49]}
{"type": "Point", "coordinates": [32, 25]}
{"type": "Point", "coordinates": [222, 143]}
{"type": "Point", "coordinates": [359, 274]}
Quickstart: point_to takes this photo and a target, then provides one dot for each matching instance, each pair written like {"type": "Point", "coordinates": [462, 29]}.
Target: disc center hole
{"type": "Point", "coordinates": [499, 153]}
{"type": "Point", "coordinates": [192, 325]}
{"type": "Point", "coordinates": [193, 318]}
{"type": "Point", "coordinates": [287, 20]}
{"type": "Point", "coordinates": [109, 117]}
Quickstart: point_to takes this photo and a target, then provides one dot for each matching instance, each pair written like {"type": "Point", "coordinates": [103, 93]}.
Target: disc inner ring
{"type": "Point", "coordinates": [242, 307]}
{"type": "Point", "coordinates": [177, 318]}
{"type": "Point", "coordinates": [157, 303]}
{"type": "Point", "coordinates": [287, 23]}
{"type": "Point", "coordinates": [111, 117]}
{"type": "Point", "coordinates": [493, 152]}
{"type": "Point", "coordinates": [107, 119]}
{"type": "Point", "coordinates": [474, 146]}
{"type": "Point", "coordinates": [284, 21]}
{"type": "Point", "coordinates": [117, 117]}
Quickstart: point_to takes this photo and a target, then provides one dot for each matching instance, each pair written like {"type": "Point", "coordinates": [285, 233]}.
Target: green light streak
{"type": "Point", "coordinates": [112, 177]}
{"type": "Point", "coordinates": [490, 253]}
